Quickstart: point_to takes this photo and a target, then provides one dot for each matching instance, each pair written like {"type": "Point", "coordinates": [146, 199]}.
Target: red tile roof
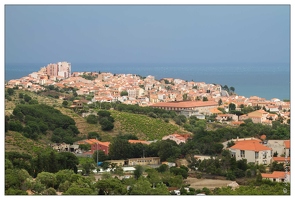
{"type": "Point", "coordinates": [185, 104]}
{"type": "Point", "coordinates": [250, 145]}
{"type": "Point", "coordinates": [281, 159]}
{"type": "Point", "coordinates": [287, 144]}
{"type": "Point", "coordinates": [94, 141]}
{"type": "Point", "coordinates": [275, 174]}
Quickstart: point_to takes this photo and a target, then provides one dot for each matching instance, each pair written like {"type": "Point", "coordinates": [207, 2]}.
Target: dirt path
{"type": "Point", "coordinates": [209, 183]}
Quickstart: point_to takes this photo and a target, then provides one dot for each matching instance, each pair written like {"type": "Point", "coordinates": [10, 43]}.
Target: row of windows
{"type": "Point", "coordinates": [144, 161]}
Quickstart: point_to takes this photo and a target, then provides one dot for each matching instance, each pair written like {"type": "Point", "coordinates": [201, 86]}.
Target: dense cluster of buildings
{"type": "Point", "coordinates": [184, 97]}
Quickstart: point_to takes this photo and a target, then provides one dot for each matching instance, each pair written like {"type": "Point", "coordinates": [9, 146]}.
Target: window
{"type": "Point", "coordinates": [242, 152]}
{"type": "Point", "coordinates": [264, 155]}
{"type": "Point", "coordinates": [256, 155]}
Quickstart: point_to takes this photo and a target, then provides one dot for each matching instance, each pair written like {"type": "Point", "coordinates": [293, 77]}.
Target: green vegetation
{"type": "Point", "coordinates": [262, 188]}
{"type": "Point", "coordinates": [89, 76]}
{"type": "Point", "coordinates": [143, 126]}
{"type": "Point", "coordinates": [33, 120]}
{"type": "Point", "coordinates": [30, 126]}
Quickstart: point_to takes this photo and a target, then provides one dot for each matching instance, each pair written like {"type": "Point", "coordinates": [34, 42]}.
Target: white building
{"type": "Point", "coordinates": [253, 151]}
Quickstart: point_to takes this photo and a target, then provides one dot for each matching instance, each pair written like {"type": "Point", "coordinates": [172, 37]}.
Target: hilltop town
{"type": "Point", "coordinates": [134, 89]}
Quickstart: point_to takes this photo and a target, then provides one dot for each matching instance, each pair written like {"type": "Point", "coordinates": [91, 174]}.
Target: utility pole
{"type": "Point", "coordinates": [96, 153]}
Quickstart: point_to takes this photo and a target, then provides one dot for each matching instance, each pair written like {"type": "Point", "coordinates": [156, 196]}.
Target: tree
{"type": "Point", "coordinates": [119, 149]}
{"type": "Point", "coordinates": [8, 164]}
{"type": "Point", "coordinates": [160, 189]}
{"type": "Point", "coordinates": [232, 106]}
{"type": "Point", "coordinates": [77, 190]}
{"type": "Point", "coordinates": [53, 166]}
{"type": "Point", "coordinates": [85, 147]}
{"type": "Point", "coordinates": [103, 113]}
{"type": "Point", "coordinates": [33, 101]}
{"type": "Point", "coordinates": [63, 175]}
{"type": "Point", "coordinates": [87, 164]}
{"type": "Point", "coordinates": [51, 87]}
{"type": "Point", "coordinates": [232, 89]}
{"type": "Point", "coordinates": [93, 135]}
{"type": "Point", "coordinates": [168, 150]}
{"type": "Point", "coordinates": [163, 168]}
{"type": "Point", "coordinates": [12, 191]}
{"type": "Point", "coordinates": [230, 144]}
{"type": "Point", "coordinates": [67, 160]}
{"type": "Point", "coordinates": [179, 171]}
{"type": "Point", "coordinates": [219, 102]}
{"type": "Point", "coordinates": [153, 176]}
{"type": "Point", "coordinates": [275, 166]}
{"type": "Point", "coordinates": [20, 95]}
{"type": "Point", "coordinates": [106, 125]}
{"type": "Point", "coordinates": [110, 186]}
{"type": "Point", "coordinates": [184, 97]}
{"type": "Point", "coordinates": [27, 98]}
{"type": "Point", "coordinates": [138, 171]}
{"type": "Point", "coordinates": [91, 119]}
{"type": "Point", "coordinates": [15, 178]}
{"type": "Point", "coordinates": [65, 103]}
{"type": "Point", "coordinates": [49, 191]}
{"type": "Point", "coordinates": [124, 93]}
{"type": "Point", "coordinates": [10, 91]}
{"type": "Point", "coordinates": [205, 99]}
{"type": "Point", "coordinates": [141, 187]}
{"type": "Point", "coordinates": [47, 178]}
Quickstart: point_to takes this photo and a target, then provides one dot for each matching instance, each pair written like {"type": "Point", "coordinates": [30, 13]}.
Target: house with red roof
{"type": "Point", "coordinates": [96, 145]}
{"type": "Point", "coordinates": [253, 151]}
{"type": "Point", "coordinates": [284, 160]}
{"type": "Point", "coordinates": [287, 148]}
{"type": "Point", "coordinates": [177, 138]}
{"type": "Point", "coordinates": [277, 176]}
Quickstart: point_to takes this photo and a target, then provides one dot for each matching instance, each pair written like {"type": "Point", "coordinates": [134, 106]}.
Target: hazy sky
{"type": "Point", "coordinates": [147, 34]}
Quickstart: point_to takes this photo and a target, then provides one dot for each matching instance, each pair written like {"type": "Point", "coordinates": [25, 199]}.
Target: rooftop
{"type": "Point", "coordinates": [250, 145]}
{"type": "Point", "coordinates": [185, 104]}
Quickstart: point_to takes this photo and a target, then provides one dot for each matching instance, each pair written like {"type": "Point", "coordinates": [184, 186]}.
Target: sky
{"type": "Point", "coordinates": [147, 33]}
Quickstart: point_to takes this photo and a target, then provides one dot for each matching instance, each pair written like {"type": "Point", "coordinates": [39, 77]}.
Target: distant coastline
{"type": "Point", "coordinates": [266, 81]}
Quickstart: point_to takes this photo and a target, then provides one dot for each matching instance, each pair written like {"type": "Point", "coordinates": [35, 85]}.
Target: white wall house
{"type": "Point", "coordinates": [253, 151]}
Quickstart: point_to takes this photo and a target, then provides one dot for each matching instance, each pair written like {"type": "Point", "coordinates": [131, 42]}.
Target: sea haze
{"type": "Point", "coordinates": [264, 80]}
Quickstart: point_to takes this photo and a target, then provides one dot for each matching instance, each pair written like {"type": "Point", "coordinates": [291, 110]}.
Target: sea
{"type": "Point", "coordinates": [263, 80]}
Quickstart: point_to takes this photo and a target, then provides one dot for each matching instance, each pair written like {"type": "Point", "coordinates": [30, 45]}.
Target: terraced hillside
{"type": "Point", "coordinates": [10, 105]}
{"type": "Point", "coordinates": [15, 141]}
{"type": "Point", "coordinates": [143, 127]}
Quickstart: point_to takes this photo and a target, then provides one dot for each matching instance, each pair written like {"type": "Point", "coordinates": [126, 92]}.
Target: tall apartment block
{"type": "Point", "coordinates": [62, 69]}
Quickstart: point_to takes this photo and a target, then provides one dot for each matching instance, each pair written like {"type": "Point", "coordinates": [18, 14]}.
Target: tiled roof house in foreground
{"type": "Point", "coordinates": [277, 176]}
{"type": "Point", "coordinates": [253, 151]}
